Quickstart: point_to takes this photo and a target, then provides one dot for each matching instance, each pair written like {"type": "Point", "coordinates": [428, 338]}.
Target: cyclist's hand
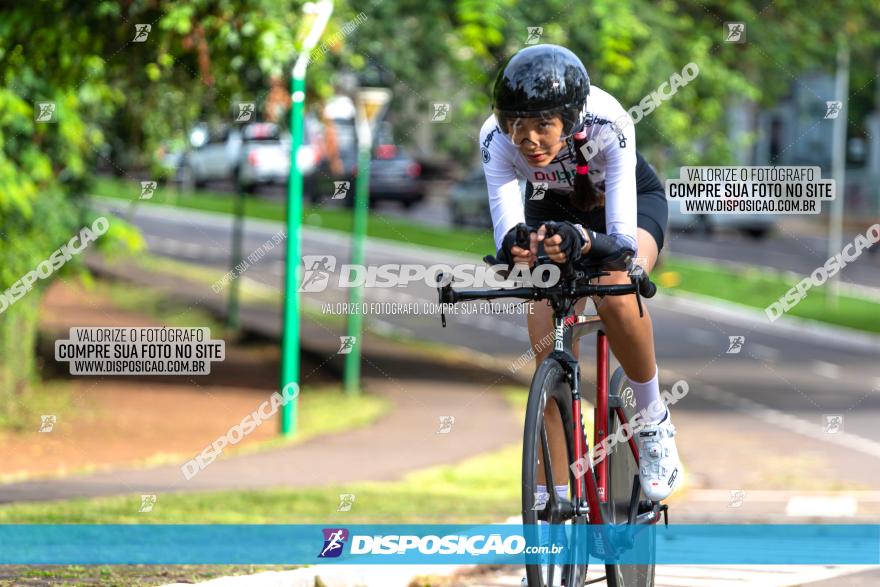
{"type": "Point", "coordinates": [512, 253]}
{"type": "Point", "coordinates": [566, 243]}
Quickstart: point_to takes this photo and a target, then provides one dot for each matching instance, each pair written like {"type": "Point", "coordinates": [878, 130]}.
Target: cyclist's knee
{"type": "Point", "coordinates": [614, 308]}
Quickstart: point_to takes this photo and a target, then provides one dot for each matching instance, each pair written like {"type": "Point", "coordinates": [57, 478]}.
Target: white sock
{"type": "Point", "coordinates": [646, 394]}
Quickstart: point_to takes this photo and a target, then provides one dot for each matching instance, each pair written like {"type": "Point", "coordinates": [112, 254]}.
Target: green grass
{"type": "Point", "coordinates": [758, 288]}
{"type": "Point", "coordinates": [474, 241]}
{"type": "Point", "coordinates": [481, 489]}
{"type": "Point", "coordinates": [50, 397]}
{"type": "Point", "coordinates": [122, 575]}
{"type": "Point", "coordinates": [319, 414]}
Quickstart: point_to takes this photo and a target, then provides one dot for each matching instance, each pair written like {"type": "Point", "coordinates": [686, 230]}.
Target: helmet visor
{"type": "Point", "coordinates": [544, 127]}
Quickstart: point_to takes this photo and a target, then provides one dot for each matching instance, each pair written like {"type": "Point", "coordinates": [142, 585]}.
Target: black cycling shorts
{"type": "Point", "coordinates": [651, 204]}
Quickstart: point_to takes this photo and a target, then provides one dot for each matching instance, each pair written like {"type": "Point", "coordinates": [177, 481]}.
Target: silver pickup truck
{"type": "Point", "coordinates": [252, 155]}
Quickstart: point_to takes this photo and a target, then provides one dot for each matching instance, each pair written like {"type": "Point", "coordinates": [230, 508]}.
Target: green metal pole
{"type": "Point", "coordinates": [232, 311]}
{"type": "Point", "coordinates": [356, 295]}
{"type": "Point", "coordinates": [290, 343]}
{"type": "Point", "coordinates": [290, 348]}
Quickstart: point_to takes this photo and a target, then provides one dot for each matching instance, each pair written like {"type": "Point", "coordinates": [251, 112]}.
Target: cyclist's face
{"type": "Point", "coordinates": [538, 139]}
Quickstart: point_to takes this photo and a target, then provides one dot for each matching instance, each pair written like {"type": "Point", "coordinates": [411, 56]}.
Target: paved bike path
{"type": "Point", "coordinates": [405, 439]}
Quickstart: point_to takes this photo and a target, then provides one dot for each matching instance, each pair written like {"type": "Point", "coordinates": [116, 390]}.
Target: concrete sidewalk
{"type": "Point", "coordinates": [402, 441]}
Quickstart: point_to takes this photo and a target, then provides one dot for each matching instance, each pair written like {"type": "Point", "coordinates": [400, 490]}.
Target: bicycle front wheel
{"type": "Point", "coordinates": [549, 387]}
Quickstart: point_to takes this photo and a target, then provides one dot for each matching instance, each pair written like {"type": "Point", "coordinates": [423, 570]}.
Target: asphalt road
{"type": "Point", "coordinates": [774, 403]}
{"type": "Point", "coordinates": [784, 248]}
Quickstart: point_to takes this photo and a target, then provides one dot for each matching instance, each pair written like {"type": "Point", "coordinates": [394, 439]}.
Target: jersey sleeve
{"type": "Point", "coordinates": [619, 145]}
{"type": "Point", "coordinates": [505, 199]}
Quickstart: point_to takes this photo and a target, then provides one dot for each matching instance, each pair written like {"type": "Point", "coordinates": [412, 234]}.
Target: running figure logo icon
{"type": "Point", "coordinates": [341, 189]}
{"type": "Point", "coordinates": [317, 272]}
{"type": "Point", "coordinates": [832, 109]}
{"type": "Point", "coordinates": [833, 423]}
{"type": "Point", "coordinates": [736, 32]}
{"type": "Point", "coordinates": [441, 112]}
{"type": "Point", "coordinates": [44, 112]}
{"type": "Point", "coordinates": [628, 398]}
{"type": "Point", "coordinates": [47, 423]}
{"type": "Point", "coordinates": [539, 190]}
{"type": "Point", "coordinates": [346, 345]}
{"type": "Point", "coordinates": [446, 423]}
{"type": "Point", "coordinates": [334, 542]}
{"type": "Point", "coordinates": [535, 33]}
{"type": "Point", "coordinates": [736, 344]}
{"type": "Point", "coordinates": [540, 501]}
{"type": "Point", "coordinates": [141, 32]}
{"type": "Point", "coordinates": [147, 503]}
{"type": "Point", "coordinates": [148, 188]}
{"type": "Point", "coordinates": [736, 498]}
{"type": "Point", "coordinates": [346, 500]}
{"type": "Point", "coordinates": [245, 111]}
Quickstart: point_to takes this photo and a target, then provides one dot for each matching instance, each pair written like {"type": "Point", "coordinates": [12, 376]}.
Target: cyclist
{"type": "Point", "coordinates": [607, 203]}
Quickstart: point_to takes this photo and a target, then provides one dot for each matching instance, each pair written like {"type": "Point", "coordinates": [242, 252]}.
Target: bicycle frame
{"type": "Point", "coordinates": [569, 326]}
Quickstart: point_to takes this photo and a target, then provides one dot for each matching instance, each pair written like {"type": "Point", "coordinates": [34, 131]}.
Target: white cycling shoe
{"type": "Point", "coordinates": [659, 466]}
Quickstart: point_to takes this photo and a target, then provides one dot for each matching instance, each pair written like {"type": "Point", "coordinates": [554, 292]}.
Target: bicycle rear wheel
{"type": "Point", "coordinates": [549, 385]}
{"type": "Point", "coordinates": [622, 470]}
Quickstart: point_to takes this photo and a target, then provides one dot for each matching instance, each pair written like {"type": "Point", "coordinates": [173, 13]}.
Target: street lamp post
{"type": "Point", "coordinates": [290, 345]}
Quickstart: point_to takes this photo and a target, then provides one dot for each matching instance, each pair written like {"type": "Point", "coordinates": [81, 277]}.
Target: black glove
{"type": "Point", "coordinates": [573, 240]}
{"type": "Point", "coordinates": [516, 236]}
{"type": "Point", "coordinates": [606, 249]}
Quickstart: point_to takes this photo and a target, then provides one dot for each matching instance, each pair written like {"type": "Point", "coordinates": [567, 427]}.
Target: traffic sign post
{"type": "Point", "coordinates": [370, 104]}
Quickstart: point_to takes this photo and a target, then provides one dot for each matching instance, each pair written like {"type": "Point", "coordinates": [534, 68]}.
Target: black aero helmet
{"type": "Point", "coordinates": [542, 81]}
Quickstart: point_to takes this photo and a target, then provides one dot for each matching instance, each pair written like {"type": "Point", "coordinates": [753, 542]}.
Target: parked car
{"type": "Point", "coordinates": [469, 200]}
{"type": "Point", "coordinates": [250, 155]}
{"type": "Point", "coordinates": [394, 174]}
{"type": "Point", "coordinates": [756, 226]}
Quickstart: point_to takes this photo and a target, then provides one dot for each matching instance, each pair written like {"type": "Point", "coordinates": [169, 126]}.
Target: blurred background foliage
{"type": "Point", "coordinates": [121, 103]}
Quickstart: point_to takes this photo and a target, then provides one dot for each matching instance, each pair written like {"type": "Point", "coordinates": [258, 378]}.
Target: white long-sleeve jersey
{"type": "Point", "coordinates": [614, 163]}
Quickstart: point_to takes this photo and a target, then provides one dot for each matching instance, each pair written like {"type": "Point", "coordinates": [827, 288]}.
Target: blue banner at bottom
{"type": "Point", "coordinates": [439, 544]}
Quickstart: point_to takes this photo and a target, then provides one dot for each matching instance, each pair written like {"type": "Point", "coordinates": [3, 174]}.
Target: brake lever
{"type": "Point", "coordinates": [440, 277]}
{"type": "Point", "coordinates": [635, 272]}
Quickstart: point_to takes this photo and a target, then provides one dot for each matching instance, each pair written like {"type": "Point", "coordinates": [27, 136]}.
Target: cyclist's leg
{"type": "Point", "coordinates": [630, 336]}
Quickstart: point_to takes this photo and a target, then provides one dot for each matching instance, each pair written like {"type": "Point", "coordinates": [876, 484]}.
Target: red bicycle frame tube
{"type": "Point", "coordinates": [600, 431]}
{"type": "Point", "coordinates": [594, 495]}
